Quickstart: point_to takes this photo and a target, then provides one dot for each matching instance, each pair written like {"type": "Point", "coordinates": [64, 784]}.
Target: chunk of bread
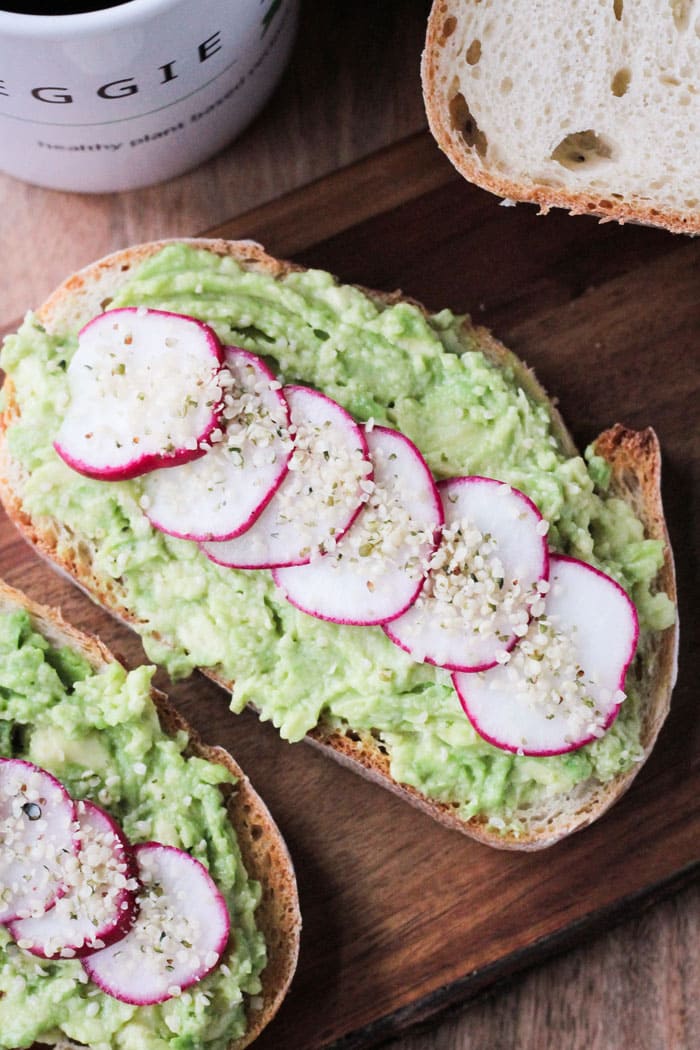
{"type": "Point", "coordinates": [594, 107]}
{"type": "Point", "coordinates": [635, 462]}
{"type": "Point", "coordinates": [262, 847]}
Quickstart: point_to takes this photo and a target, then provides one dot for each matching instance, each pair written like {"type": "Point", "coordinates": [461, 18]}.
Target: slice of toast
{"type": "Point", "coordinates": [589, 107]}
{"type": "Point", "coordinates": [263, 850]}
{"type": "Point", "coordinates": [635, 476]}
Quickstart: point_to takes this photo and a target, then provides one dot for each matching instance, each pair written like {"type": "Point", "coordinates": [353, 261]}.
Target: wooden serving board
{"type": "Point", "coordinates": [401, 917]}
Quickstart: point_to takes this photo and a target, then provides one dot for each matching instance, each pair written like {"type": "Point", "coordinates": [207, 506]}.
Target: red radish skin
{"type": "Point", "coordinates": [307, 512]}
{"type": "Point", "coordinates": [132, 410]}
{"type": "Point", "coordinates": [363, 589]}
{"type": "Point", "coordinates": [597, 616]}
{"type": "Point", "coordinates": [220, 495]}
{"type": "Point", "coordinates": [37, 836]}
{"type": "Point", "coordinates": [78, 925]}
{"type": "Point", "coordinates": [435, 632]}
{"type": "Point", "coordinates": [179, 902]}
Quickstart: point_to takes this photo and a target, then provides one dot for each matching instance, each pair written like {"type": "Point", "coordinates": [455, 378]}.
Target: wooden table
{"type": "Point", "coordinates": [353, 88]}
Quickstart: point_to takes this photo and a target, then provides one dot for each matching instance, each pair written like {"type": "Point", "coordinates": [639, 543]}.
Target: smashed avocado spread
{"type": "Point", "coordinates": [98, 732]}
{"type": "Point", "coordinates": [424, 376]}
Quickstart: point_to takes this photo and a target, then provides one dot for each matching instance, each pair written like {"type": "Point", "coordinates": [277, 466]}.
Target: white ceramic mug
{"type": "Point", "coordinates": [130, 95]}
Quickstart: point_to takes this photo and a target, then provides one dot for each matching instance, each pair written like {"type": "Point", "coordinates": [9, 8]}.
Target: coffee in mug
{"type": "Point", "coordinates": [58, 9]}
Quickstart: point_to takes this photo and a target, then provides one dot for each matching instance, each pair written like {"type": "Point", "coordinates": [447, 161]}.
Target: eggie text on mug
{"type": "Point", "coordinates": [116, 96]}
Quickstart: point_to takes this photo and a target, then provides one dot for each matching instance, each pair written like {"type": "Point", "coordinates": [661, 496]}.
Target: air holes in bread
{"type": "Point", "coordinates": [581, 149]}
{"type": "Point", "coordinates": [617, 8]}
{"type": "Point", "coordinates": [448, 28]}
{"type": "Point", "coordinates": [473, 52]}
{"type": "Point", "coordinates": [620, 82]}
{"type": "Point", "coordinates": [462, 121]}
{"type": "Point", "coordinates": [378, 738]}
{"type": "Point", "coordinates": [506, 86]}
{"type": "Point", "coordinates": [680, 10]}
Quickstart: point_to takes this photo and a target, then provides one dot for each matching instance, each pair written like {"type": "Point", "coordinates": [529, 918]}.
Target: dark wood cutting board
{"type": "Point", "coordinates": [401, 917]}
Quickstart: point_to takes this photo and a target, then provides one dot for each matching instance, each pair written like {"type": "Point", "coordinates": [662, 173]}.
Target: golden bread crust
{"type": "Point", "coordinates": [474, 168]}
{"type": "Point", "coordinates": [636, 471]}
{"type": "Point", "coordinates": [263, 849]}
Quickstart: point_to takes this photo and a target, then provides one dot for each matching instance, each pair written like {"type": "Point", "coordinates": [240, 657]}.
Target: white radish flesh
{"type": "Point", "coordinates": [328, 481]}
{"type": "Point", "coordinates": [144, 393]}
{"type": "Point", "coordinates": [221, 494]}
{"type": "Point", "coordinates": [99, 903]}
{"type": "Point", "coordinates": [178, 937]}
{"type": "Point", "coordinates": [562, 686]}
{"type": "Point", "coordinates": [377, 569]}
{"type": "Point", "coordinates": [37, 829]}
{"type": "Point", "coordinates": [483, 581]}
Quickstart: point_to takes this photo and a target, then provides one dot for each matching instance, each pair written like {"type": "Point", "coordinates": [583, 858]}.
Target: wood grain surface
{"type": "Point", "coordinates": [402, 918]}
{"type": "Point", "coordinates": [351, 88]}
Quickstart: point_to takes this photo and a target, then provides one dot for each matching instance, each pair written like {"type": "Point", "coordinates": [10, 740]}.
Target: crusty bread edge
{"type": "Point", "coordinates": [631, 456]}
{"type": "Point", "coordinates": [635, 461]}
{"type": "Point", "coordinates": [472, 167]}
{"type": "Point", "coordinates": [265, 855]}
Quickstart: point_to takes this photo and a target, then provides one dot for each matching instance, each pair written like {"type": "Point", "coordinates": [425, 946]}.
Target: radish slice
{"type": "Point", "coordinates": [222, 494]}
{"type": "Point", "coordinates": [378, 568]}
{"type": "Point", "coordinates": [99, 904]}
{"type": "Point", "coordinates": [179, 935]}
{"type": "Point", "coordinates": [144, 393]}
{"type": "Point", "coordinates": [37, 829]}
{"type": "Point", "coordinates": [562, 686]}
{"type": "Point", "coordinates": [327, 485]}
{"type": "Point", "coordinates": [483, 580]}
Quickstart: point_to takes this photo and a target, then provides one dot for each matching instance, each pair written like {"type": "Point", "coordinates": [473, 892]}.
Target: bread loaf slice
{"type": "Point", "coordinates": [593, 107]}
{"type": "Point", "coordinates": [263, 850]}
{"type": "Point", "coordinates": [634, 461]}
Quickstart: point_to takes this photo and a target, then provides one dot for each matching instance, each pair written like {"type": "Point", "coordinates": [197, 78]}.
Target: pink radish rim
{"type": "Point", "coordinates": [549, 753]}
{"type": "Point", "coordinates": [475, 668]}
{"type": "Point", "coordinates": [445, 667]}
{"type": "Point", "coordinates": [419, 583]}
{"type": "Point", "coordinates": [341, 532]}
{"type": "Point", "coordinates": [519, 494]}
{"type": "Point", "coordinates": [123, 920]}
{"type": "Point", "coordinates": [60, 891]}
{"type": "Point", "coordinates": [621, 590]}
{"type": "Point", "coordinates": [359, 431]}
{"type": "Point", "coordinates": [151, 461]}
{"type": "Point", "coordinates": [219, 949]}
{"type": "Point", "coordinates": [121, 927]}
{"type": "Point", "coordinates": [257, 511]}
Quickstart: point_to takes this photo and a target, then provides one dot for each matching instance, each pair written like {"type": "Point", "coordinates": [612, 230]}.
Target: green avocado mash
{"type": "Point", "coordinates": [425, 377]}
{"type": "Point", "coordinates": [98, 732]}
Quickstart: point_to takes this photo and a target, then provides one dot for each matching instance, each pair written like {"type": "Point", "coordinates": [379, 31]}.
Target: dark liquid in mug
{"type": "Point", "coordinates": [59, 9]}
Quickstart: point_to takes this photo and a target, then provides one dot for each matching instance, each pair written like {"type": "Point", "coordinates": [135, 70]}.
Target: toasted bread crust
{"type": "Point", "coordinates": [469, 164]}
{"type": "Point", "coordinates": [263, 849]}
{"type": "Point", "coordinates": [635, 461]}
